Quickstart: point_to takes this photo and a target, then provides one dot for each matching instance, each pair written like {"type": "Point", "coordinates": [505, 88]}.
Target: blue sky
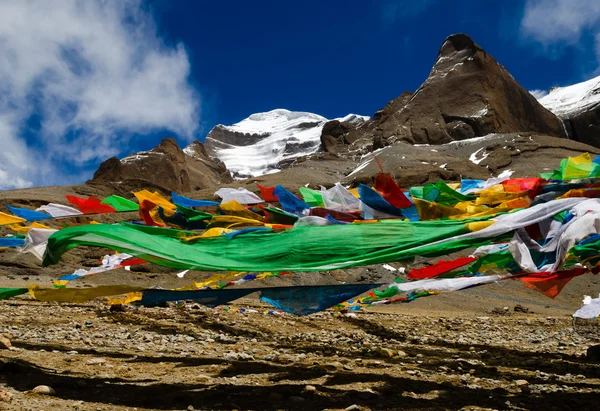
{"type": "Point", "coordinates": [81, 81]}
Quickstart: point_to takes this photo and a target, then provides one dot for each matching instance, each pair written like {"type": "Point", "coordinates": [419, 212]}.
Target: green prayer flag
{"type": "Point", "coordinates": [120, 204]}
{"type": "Point", "coordinates": [6, 293]}
{"type": "Point", "coordinates": [313, 198]}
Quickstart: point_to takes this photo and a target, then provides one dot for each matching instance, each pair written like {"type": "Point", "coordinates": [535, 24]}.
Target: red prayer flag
{"type": "Point", "coordinates": [91, 205]}
{"type": "Point", "coordinates": [518, 185]}
{"type": "Point", "coordinates": [336, 215]}
{"type": "Point", "coordinates": [439, 268]}
{"type": "Point", "coordinates": [267, 194]}
{"type": "Point", "coordinates": [144, 211]}
{"type": "Point", "coordinates": [389, 190]}
{"type": "Point", "coordinates": [551, 283]}
{"type": "Point", "coordinates": [132, 261]}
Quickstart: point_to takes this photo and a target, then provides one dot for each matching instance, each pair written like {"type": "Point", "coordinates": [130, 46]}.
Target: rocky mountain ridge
{"type": "Point", "coordinates": [166, 167]}
{"type": "Point", "coordinates": [468, 96]}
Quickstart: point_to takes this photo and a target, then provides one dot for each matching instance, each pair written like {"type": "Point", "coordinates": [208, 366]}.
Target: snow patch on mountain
{"type": "Point", "coordinates": [569, 101]}
{"type": "Point", "coordinates": [266, 142]}
{"type": "Point", "coordinates": [140, 156]}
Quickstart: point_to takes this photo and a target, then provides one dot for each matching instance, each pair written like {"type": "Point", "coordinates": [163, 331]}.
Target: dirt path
{"type": "Point", "coordinates": [179, 358]}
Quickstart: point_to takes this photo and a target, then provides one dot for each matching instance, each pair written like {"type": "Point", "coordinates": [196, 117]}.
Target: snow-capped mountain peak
{"type": "Point", "coordinates": [572, 100]}
{"type": "Point", "coordinates": [264, 142]}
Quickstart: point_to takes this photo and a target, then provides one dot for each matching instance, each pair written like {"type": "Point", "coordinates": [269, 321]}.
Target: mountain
{"type": "Point", "coordinates": [579, 108]}
{"type": "Point", "coordinates": [467, 94]}
{"type": "Point", "coordinates": [166, 167]}
{"type": "Point", "coordinates": [468, 98]}
{"type": "Point", "coordinates": [265, 143]}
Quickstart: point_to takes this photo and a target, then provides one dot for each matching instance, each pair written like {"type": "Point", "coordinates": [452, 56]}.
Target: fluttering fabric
{"type": "Point", "coordinates": [374, 200]}
{"type": "Point", "coordinates": [441, 267]}
{"type": "Point", "coordinates": [276, 216]}
{"type": "Point", "coordinates": [79, 295]}
{"type": "Point", "coordinates": [154, 198]}
{"type": "Point", "coordinates": [27, 214]}
{"type": "Point", "coordinates": [300, 249]}
{"type": "Point", "coordinates": [120, 204]}
{"type": "Point", "coordinates": [306, 248]}
{"type": "Point", "coordinates": [188, 202]}
{"type": "Point", "coordinates": [551, 284]}
{"type": "Point", "coordinates": [12, 242]}
{"type": "Point", "coordinates": [313, 198]}
{"type": "Point", "coordinates": [241, 195]}
{"type": "Point", "coordinates": [389, 190]}
{"type": "Point", "coordinates": [25, 228]}
{"type": "Point", "coordinates": [589, 309]}
{"type": "Point", "coordinates": [209, 298]}
{"type": "Point", "coordinates": [305, 300]}
{"type": "Point", "coordinates": [234, 208]}
{"type": "Point", "coordinates": [91, 205]}
{"type": "Point", "coordinates": [59, 210]}
{"type": "Point", "coordinates": [289, 202]}
{"type": "Point", "coordinates": [340, 199]}
{"type": "Point", "coordinates": [37, 241]}
{"type": "Point", "coordinates": [338, 215]}
{"type": "Point", "coordinates": [6, 293]}
{"type": "Point", "coordinates": [447, 284]}
{"type": "Point", "coordinates": [6, 219]}
{"type": "Point", "coordinates": [267, 194]}
{"type": "Point", "coordinates": [543, 231]}
{"type": "Point", "coordinates": [109, 262]}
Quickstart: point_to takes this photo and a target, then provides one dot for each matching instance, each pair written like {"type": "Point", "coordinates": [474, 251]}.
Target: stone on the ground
{"type": "Point", "coordinates": [44, 390]}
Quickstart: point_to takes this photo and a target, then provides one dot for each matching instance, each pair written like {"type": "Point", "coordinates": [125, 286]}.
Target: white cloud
{"type": "Point", "coordinates": [559, 23]}
{"type": "Point", "coordinates": [555, 21]}
{"type": "Point", "coordinates": [96, 72]}
{"type": "Point", "coordinates": [538, 94]}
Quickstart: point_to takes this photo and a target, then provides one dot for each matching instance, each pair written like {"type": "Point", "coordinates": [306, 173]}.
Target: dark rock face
{"type": "Point", "coordinates": [578, 106]}
{"type": "Point", "coordinates": [467, 94]}
{"type": "Point", "coordinates": [585, 126]}
{"type": "Point", "coordinates": [165, 167]}
{"type": "Point", "coordinates": [224, 135]}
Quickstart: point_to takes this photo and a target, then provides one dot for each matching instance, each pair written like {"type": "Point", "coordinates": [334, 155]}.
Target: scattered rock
{"type": "Point", "coordinates": [593, 354]}
{"type": "Point", "coordinates": [333, 366]}
{"type": "Point", "coordinates": [117, 308]}
{"type": "Point", "coordinates": [521, 383]}
{"type": "Point", "coordinates": [385, 352]}
{"type": "Point", "coordinates": [500, 311]}
{"type": "Point", "coordinates": [44, 390]}
{"type": "Point", "coordinates": [96, 361]}
{"type": "Point", "coordinates": [5, 343]}
{"type": "Point", "coordinates": [310, 388]}
{"type": "Point", "coordinates": [520, 309]}
{"type": "Point", "coordinates": [5, 396]}
{"type": "Point", "coordinates": [353, 407]}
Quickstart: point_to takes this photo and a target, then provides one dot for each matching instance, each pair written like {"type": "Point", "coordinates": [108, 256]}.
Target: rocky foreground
{"type": "Point", "coordinates": [191, 357]}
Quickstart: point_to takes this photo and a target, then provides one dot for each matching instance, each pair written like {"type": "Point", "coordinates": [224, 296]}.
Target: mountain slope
{"type": "Point", "coordinates": [266, 142]}
{"type": "Point", "coordinates": [578, 106]}
{"type": "Point", "coordinates": [165, 167]}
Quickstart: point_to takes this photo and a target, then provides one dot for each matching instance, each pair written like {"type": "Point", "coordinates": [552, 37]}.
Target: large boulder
{"type": "Point", "coordinates": [467, 94]}
{"type": "Point", "coordinates": [166, 167]}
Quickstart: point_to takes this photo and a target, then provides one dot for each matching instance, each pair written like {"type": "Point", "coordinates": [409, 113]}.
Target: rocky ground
{"type": "Point", "coordinates": [190, 357]}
